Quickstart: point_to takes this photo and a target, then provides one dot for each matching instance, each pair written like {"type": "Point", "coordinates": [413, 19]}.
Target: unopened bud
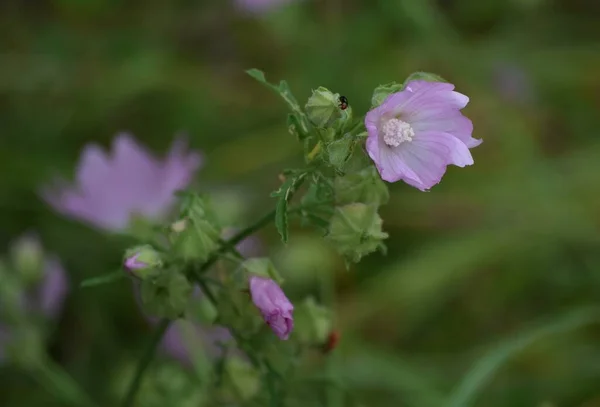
{"type": "Point", "coordinates": [142, 261]}
{"type": "Point", "coordinates": [323, 107]}
{"type": "Point", "coordinates": [355, 230]}
{"type": "Point", "coordinates": [28, 258]}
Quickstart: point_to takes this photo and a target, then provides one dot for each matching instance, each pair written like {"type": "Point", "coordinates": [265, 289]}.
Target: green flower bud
{"type": "Point", "coordinates": [27, 258]}
{"type": "Point", "coordinates": [262, 267]}
{"type": "Point", "coordinates": [312, 322]}
{"type": "Point", "coordinates": [355, 230]}
{"type": "Point", "coordinates": [383, 91]}
{"type": "Point", "coordinates": [167, 295]}
{"type": "Point", "coordinates": [340, 151]}
{"type": "Point", "coordinates": [364, 186]}
{"type": "Point", "coordinates": [142, 261]}
{"type": "Point", "coordinates": [323, 107]}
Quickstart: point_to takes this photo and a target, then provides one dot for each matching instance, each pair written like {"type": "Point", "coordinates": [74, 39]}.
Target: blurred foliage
{"type": "Point", "coordinates": [471, 265]}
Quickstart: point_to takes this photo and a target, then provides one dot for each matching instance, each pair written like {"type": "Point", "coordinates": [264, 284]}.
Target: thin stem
{"type": "Point", "coordinates": [145, 362]}
{"type": "Point", "coordinates": [60, 383]}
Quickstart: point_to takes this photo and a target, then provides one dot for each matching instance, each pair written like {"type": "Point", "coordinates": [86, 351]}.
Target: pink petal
{"type": "Point", "coordinates": [452, 122]}
{"type": "Point", "coordinates": [428, 155]}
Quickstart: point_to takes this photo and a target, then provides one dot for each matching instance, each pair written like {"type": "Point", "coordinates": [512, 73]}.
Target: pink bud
{"type": "Point", "coordinates": [274, 306]}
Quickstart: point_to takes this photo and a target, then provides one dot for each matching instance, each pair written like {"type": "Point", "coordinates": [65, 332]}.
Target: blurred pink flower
{"type": "Point", "coordinates": [46, 297]}
{"type": "Point", "coordinates": [415, 133]}
{"type": "Point", "coordinates": [512, 83]}
{"type": "Point", "coordinates": [174, 342]}
{"type": "Point", "coordinates": [53, 288]}
{"type": "Point", "coordinates": [111, 187]}
{"type": "Point", "coordinates": [274, 306]}
{"type": "Point", "coordinates": [249, 247]}
{"type": "Point", "coordinates": [260, 6]}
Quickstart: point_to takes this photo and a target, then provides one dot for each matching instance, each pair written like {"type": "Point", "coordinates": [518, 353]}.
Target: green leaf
{"type": "Point", "coordinates": [104, 279]}
{"type": "Point", "coordinates": [284, 193]}
{"type": "Point", "coordinates": [285, 92]}
{"type": "Point", "coordinates": [483, 370]}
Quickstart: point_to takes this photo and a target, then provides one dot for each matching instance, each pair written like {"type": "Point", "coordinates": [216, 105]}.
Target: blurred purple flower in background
{"type": "Point", "coordinates": [49, 291]}
{"type": "Point", "coordinates": [249, 247]}
{"type": "Point", "coordinates": [415, 133]}
{"type": "Point", "coordinates": [274, 306]}
{"type": "Point", "coordinates": [260, 6]}
{"type": "Point", "coordinates": [512, 83]}
{"type": "Point", "coordinates": [111, 187]}
{"type": "Point", "coordinates": [53, 289]}
{"type": "Point", "coordinates": [40, 292]}
{"type": "Point", "coordinates": [174, 342]}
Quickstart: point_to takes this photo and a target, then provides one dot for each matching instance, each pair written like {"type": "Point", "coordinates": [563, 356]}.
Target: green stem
{"type": "Point", "coordinates": [57, 381]}
{"type": "Point", "coordinates": [145, 362]}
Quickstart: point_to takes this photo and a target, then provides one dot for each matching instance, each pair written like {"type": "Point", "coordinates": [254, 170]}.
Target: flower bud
{"type": "Point", "coordinates": [363, 186]}
{"type": "Point", "coordinates": [28, 258]}
{"type": "Point", "coordinates": [142, 261]}
{"type": "Point", "coordinates": [313, 322]}
{"type": "Point", "coordinates": [323, 107]}
{"type": "Point", "coordinates": [340, 151]}
{"type": "Point", "coordinates": [274, 306]}
{"type": "Point", "coordinates": [383, 91]}
{"type": "Point", "coordinates": [355, 230]}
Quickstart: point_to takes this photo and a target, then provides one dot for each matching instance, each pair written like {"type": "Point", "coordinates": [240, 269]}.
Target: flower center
{"type": "Point", "coordinates": [395, 132]}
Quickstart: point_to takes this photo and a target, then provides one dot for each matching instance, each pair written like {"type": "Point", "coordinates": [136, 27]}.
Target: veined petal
{"type": "Point", "coordinates": [430, 153]}
{"type": "Point", "coordinates": [452, 122]}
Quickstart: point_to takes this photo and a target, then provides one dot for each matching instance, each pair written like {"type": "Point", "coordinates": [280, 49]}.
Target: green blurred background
{"type": "Point", "coordinates": [473, 267]}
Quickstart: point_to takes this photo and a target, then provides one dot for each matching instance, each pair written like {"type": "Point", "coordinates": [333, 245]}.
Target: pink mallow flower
{"type": "Point", "coordinates": [274, 306]}
{"type": "Point", "coordinates": [111, 187]}
{"type": "Point", "coordinates": [415, 133]}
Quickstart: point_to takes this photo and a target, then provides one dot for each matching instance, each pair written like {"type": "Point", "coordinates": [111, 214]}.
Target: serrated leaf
{"type": "Point", "coordinates": [104, 279]}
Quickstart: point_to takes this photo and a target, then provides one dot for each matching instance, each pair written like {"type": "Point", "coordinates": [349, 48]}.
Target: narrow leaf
{"type": "Point", "coordinates": [104, 279]}
{"type": "Point", "coordinates": [260, 76]}
{"type": "Point", "coordinates": [484, 369]}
